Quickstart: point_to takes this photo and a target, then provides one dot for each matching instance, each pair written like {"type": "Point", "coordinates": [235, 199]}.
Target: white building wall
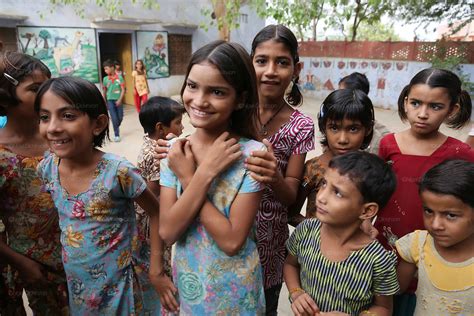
{"type": "Point", "coordinates": [177, 12]}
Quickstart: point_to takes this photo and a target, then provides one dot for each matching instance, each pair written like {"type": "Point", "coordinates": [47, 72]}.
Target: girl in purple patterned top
{"type": "Point", "coordinates": [289, 135]}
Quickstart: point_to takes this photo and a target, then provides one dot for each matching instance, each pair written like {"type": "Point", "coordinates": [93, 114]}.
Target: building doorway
{"type": "Point", "coordinates": [118, 46]}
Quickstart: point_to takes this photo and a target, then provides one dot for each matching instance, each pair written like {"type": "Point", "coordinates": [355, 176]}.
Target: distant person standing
{"type": "Point", "coordinates": [118, 69]}
{"type": "Point", "coordinates": [140, 84]}
{"type": "Point", "coordinates": [114, 90]}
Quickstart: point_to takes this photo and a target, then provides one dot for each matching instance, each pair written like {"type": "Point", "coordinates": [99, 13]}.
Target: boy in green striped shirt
{"type": "Point", "coordinates": [333, 267]}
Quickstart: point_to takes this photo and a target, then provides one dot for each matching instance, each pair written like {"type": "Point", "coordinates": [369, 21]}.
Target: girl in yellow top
{"type": "Point", "coordinates": [140, 84]}
{"type": "Point", "coordinates": [443, 253]}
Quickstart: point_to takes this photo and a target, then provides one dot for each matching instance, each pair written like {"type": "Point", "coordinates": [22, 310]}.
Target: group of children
{"type": "Point", "coordinates": [85, 233]}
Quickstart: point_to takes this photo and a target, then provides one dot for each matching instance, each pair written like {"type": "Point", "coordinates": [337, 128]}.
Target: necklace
{"type": "Point", "coordinates": [263, 129]}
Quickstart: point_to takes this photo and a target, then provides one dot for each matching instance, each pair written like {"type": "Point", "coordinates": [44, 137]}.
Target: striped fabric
{"type": "Point", "coordinates": [347, 286]}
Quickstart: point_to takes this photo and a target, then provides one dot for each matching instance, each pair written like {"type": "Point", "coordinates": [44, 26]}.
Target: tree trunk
{"type": "Point", "coordinates": [220, 11]}
{"type": "Point", "coordinates": [356, 17]}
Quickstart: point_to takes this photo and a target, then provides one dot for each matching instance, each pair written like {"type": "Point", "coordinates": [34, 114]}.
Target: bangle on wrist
{"type": "Point", "coordinates": [368, 313]}
{"type": "Point", "coordinates": [293, 291]}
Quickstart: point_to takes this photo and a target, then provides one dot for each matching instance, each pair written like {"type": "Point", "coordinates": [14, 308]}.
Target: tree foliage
{"type": "Point", "coordinates": [113, 8]}
{"type": "Point", "coordinates": [378, 31]}
{"type": "Point", "coordinates": [424, 12]}
{"type": "Point", "coordinates": [301, 15]}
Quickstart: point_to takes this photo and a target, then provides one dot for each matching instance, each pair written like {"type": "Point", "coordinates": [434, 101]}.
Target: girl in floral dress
{"type": "Point", "coordinates": [208, 199]}
{"type": "Point", "coordinates": [94, 193]}
{"type": "Point", "coordinates": [30, 246]}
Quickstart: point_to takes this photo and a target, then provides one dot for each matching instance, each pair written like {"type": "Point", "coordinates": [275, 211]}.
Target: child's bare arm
{"type": "Point", "coordinates": [294, 216]}
{"type": "Point", "coordinates": [405, 273]}
{"type": "Point", "coordinates": [162, 283]}
{"type": "Point", "coordinates": [231, 233]}
{"type": "Point", "coordinates": [301, 302]}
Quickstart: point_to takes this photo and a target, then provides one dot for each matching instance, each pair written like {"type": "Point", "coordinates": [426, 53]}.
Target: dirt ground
{"type": "Point", "coordinates": [132, 136]}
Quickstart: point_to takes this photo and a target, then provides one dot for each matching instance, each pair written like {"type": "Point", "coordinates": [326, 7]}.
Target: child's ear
{"type": "Point", "coordinates": [101, 123]}
{"type": "Point", "coordinates": [160, 130]}
{"type": "Point", "coordinates": [454, 111]}
{"type": "Point", "coordinates": [370, 210]}
{"type": "Point", "coordinates": [298, 67]}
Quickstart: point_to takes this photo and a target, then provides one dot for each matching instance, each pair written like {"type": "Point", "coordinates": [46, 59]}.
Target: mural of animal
{"type": "Point", "coordinates": [66, 51]}
{"type": "Point", "coordinates": [58, 39]}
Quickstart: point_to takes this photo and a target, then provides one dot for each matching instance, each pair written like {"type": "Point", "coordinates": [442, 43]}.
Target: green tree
{"type": "Point", "coordinates": [424, 12]}
{"type": "Point", "coordinates": [377, 32]}
{"type": "Point", "coordinates": [112, 7]}
{"type": "Point", "coordinates": [301, 15]}
{"type": "Point", "coordinates": [45, 35]}
{"type": "Point", "coordinates": [355, 12]}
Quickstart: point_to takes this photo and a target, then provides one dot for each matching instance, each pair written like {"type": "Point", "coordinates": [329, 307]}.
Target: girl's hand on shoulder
{"type": "Point", "coordinates": [223, 153]}
{"type": "Point", "coordinates": [181, 160]}
{"type": "Point", "coordinates": [263, 165]}
{"type": "Point", "coordinates": [162, 148]}
{"type": "Point", "coordinates": [166, 290]}
{"type": "Point", "coordinates": [303, 305]}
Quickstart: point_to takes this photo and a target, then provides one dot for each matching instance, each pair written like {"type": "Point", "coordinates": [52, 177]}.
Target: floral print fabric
{"type": "Point", "coordinates": [32, 229]}
{"type": "Point", "coordinates": [104, 262]}
{"type": "Point", "coordinates": [210, 282]}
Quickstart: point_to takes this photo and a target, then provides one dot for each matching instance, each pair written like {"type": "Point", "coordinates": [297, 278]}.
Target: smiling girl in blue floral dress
{"type": "Point", "coordinates": [208, 199]}
{"type": "Point", "coordinates": [94, 193]}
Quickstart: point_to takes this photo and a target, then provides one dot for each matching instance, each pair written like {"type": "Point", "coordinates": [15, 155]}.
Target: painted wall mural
{"type": "Point", "coordinates": [321, 75]}
{"type": "Point", "coordinates": [66, 51]}
{"type": "Point", "coordinates": [152, 48]}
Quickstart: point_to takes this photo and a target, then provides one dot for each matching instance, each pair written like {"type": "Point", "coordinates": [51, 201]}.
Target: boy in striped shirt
{"type": "Point", "coordinates": [333, 267]}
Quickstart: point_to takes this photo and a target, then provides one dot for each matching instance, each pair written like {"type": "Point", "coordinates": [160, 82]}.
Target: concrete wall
{"type": "Point", "coordinates": [174, 16]}
{"type": "Point", "coordinates": [321, 75]}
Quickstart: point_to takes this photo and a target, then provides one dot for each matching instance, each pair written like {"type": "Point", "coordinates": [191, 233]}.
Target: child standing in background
{"type": "Point", "coordinates": [208, 199]}
{"type": "Point", "coordinates": [114, 90]}
{"type": "Point", "coordinates": [433, 96]}
{"type": "Point", "coordinates": [346, 122]}
{"type": "Point", "coordinates": [30, 247]}
{"type": "Point", "coordinates": [158, 118]}
{"type": "Point", "coordinates": [161, 117]}
{"type": "Point", "coordinates": [94, 194]}
{"type": "Point", "coordinates": [140, 84]}
{"type": "Point", "coordinates": [443, 254]}
{"type": "Point", "coordinates": [356, 80]}
{"type": "Point", "coordinates": [333, 266]}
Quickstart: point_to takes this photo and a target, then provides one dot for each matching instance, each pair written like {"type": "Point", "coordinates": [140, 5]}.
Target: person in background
{"type": "Point", "coordinates": [114, 90]}
{"type": "Point", "coordinates": [140, 85]}
{"type": "Point", "coordinates": [356, 80]}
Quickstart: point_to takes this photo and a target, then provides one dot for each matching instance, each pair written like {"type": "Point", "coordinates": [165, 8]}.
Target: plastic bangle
{"type": "Point", "coordinates": [368, 313]}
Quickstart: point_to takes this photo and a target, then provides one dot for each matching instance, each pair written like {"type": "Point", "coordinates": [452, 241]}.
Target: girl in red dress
{"type": "Point", "coordinates": [434, 96]}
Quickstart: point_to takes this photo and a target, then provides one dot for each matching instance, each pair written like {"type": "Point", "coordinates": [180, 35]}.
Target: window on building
{"type": "Point", "coordinates": [180, 49]}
